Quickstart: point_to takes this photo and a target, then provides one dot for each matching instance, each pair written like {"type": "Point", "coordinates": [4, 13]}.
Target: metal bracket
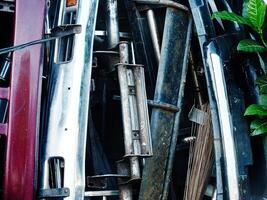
{"type": "Point", "coordinates": [198, 116]}
{"type": "Point", "coordinates": [124, 35]}
{"type": "Point", "coordinates": [64, 30]}
{"type": "Point", "coordinates": [106, 52]}
{"type": "Point", "coordinates": [7, 6]}
{"type": "Point", "coordinates": [164, 106]}
{"type": "Point", "coordinates": [103, 193]}
{"type": "Point", "coordinates": [100, 181]}
{"type": "Point", "coordinates": [54, 192]}
{"type": "Point", "coordinates": [156, 104]}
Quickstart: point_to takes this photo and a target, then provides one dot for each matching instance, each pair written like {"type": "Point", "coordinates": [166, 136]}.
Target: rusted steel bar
{"type": "Point", "coordinates": [169, 90]}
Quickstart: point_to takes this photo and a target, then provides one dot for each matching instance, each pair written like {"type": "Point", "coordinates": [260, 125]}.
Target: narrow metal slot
{"type": "Point", "coordinates": [65, 50]}
{"type": "Point", "coordinates": [56, 172]}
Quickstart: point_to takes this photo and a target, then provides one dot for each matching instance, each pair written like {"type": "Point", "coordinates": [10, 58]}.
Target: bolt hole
{"type": "Point", "coordinates": [68, 88]}
{"type": "Point", "coordinates": [66, 129]}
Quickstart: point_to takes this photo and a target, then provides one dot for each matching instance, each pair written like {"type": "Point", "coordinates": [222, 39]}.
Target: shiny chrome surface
{"type": "Point", "coordinates": [218, 83]}
{"type": "Point", "coordinates": [68, 103]}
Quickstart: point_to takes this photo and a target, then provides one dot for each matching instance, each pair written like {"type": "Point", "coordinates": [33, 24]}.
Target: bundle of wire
{"type": "Point", "coordinates": [200, 158]}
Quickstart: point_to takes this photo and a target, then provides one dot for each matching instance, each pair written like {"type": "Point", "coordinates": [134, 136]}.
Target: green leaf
{"type": "Point", "coordinates": [263, 99]}
{"type": "Point", "coordinates": [249, 45]}
{"type": "Point", "coordinates": [245, 8]}
{"type": "Point", "coordinates": [256, 123]}
{"type": "Point", "coordinates": [256, 10]}
{"type": "Point", "coordinates": [262, 82]}
{"type": "Point", "coordinates": [259, 126]}
{"type": "Point", "coordinates": [231, 17]}
{"type": "Point", "coordinates": [256, 109]}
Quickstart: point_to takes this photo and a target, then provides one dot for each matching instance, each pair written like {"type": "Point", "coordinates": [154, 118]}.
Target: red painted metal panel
{"type": "Point", "coordinates": [19, 176]}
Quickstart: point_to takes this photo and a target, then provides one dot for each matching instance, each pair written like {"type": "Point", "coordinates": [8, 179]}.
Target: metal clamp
{"type": "Point", "coordinates": [128, 65]}
{"type": "Point", "coordinates": [100, 181]}
{"type": "Point", "coordinates": [164, 106]}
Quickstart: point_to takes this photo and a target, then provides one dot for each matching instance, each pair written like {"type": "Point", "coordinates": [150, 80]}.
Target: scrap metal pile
{"type": "Point", "coordinates": [129, 99]}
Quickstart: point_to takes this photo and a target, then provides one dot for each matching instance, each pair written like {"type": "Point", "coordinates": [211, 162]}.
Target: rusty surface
{"type": "Point", "coordinates": [169, 90]}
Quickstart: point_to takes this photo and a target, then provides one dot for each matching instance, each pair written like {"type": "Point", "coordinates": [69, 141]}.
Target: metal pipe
{"type": "Point", "coordinates": [154, 33]}
{"type": "Point", "coordinates": [134, 168]}
{"type": "Point", "coordinates": [132, 52]}
{"type": "Point", "coordinates": [167, 3]}
{"type": "Point", "coordinates": [126, 192]}
{"type": "Point", "coordinates": [112, 23]}
{"type": "Point", "coordinates": [141, 43]}
{"type": "Point", "coordinates": [125, 189]}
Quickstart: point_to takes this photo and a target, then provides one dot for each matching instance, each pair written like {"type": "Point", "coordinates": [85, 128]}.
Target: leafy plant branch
{"type": "Point", "coordinates": [253, 15]}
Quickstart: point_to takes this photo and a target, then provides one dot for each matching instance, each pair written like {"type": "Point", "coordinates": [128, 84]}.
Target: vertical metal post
{"type": "Point", "coordinates": [154, 33]}
{"type": "Point", "coordinates": [112, 23]}
{"type": "Point", "coordinates": [125, 189]}
{"type": "Point", "coordinates": [129, 112]}
{"type": "Point", "coordinates": [126, 192]}
{"type": "Point", "coordinates": [122, 74]}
